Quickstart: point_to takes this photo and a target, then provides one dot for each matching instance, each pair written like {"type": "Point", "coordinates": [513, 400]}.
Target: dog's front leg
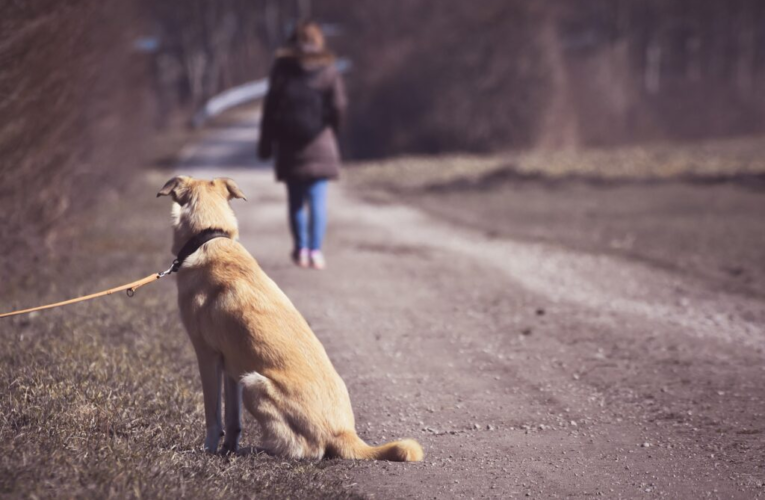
{"type": "Point", "coordinates": [233, 416]}
{"type": "Point", "coordinates": [211, 370]}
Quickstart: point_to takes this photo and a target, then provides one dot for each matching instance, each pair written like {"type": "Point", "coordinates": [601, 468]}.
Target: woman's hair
{"type": "Point", "coordinates": [307, 35]}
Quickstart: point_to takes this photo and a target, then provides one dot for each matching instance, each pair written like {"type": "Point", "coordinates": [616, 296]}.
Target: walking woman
{"type": "Point", "coordinates": [301, 116]}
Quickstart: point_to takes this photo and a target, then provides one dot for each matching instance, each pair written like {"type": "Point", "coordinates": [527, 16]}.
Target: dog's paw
{"type": "Point", "coordinates": [210, 451]}
{"type": "Point", "coordinates": [212, 440]}
{"type": "Point", "coordinates": [229, 448]}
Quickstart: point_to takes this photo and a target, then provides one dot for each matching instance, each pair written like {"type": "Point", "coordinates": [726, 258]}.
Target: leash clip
{"type": "Point", "coordinates": [171, 269]}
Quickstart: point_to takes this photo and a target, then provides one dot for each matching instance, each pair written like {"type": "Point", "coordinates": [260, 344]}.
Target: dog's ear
{"type": "Point", "coordinates": [175, 187]}
{"type": "Point", "coordinates": [231, 189]}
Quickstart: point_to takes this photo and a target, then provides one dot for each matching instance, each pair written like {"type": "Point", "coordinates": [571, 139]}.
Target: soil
{"type": "Point", "coordinates": [541, 341]}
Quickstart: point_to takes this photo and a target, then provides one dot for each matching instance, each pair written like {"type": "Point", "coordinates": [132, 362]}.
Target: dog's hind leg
{"type": "Point", "coordinates": [233, 413]}
{"type": "Point", "coordinates": [211, 370]}
{"type": "Point", "coordinates": [264, 403]}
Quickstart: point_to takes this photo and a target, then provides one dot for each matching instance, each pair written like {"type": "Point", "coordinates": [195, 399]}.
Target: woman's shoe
{"type": "Point", "coordinates": [301, 258]}
{"type": "Point", "coordinates": [317, 260]}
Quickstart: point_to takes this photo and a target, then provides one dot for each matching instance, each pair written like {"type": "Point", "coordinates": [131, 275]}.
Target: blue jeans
{"type": "Point", "coordinates": [305, 233]}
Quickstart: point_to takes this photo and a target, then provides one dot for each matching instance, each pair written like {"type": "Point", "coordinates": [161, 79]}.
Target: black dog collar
{"type": "Point", "coordinates": [193, 245]}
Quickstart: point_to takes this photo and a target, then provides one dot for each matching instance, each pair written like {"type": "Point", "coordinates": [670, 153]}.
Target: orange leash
{"type": "Point", "coordinates": [130, 287]}
{"type": "Point", "coordinates": [189, 248]}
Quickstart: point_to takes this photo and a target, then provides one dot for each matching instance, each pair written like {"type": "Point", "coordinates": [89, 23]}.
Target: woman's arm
{"type": "Point", "coordinates": [266, 141]}
{"type": "Point", "coordinates": [338, 102]}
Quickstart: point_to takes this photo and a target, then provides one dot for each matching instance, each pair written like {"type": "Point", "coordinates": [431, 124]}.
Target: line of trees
{"type": "Point", "coordinates": [206, 46]}
{"type": "Point", "coordinates": [482, 76]}
{"type": "Point", "coordinates": [73, 103]}
{"type": "Point", "coordinates": [495, 74]}
{"type": "Point", "coordinates": [85, 84]}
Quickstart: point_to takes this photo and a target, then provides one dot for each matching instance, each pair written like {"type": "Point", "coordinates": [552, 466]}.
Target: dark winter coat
{"type": "Point", "coordinates": [319, 158]}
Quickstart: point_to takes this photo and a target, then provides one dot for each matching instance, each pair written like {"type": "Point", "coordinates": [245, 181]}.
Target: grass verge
{"type": "Point", "coordinates": [712, 161]}
{"type": "Point", "coordinates": [102, 399]}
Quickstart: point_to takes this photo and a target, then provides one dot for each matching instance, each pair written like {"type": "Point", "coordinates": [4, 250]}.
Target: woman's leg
{"type": "Point", "coordinates": [296, 194]}
{"type": "Point", "coordinates": [317, 200]}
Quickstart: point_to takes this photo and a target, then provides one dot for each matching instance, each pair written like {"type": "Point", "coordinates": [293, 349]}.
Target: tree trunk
{"type": "Point", "coordinates": [559, 123]}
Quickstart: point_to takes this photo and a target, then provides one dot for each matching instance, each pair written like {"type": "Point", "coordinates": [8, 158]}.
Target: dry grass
{"type": "Point", "coordinates": [102, 399]}
{"type": "Point", "coordinates": [713, 159]}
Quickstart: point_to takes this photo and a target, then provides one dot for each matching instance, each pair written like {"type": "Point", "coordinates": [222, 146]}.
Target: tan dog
{"type": "Point", "coordinates": [247, 332]}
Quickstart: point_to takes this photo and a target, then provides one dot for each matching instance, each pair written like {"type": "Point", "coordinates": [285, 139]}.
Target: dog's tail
{"type": "Point", "coordinates": [349, 445]}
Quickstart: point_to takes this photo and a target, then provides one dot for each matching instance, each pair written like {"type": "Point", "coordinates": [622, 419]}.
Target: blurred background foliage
{"type": "Point", "coordinates": [87, 85]}
{"type": "Point", "coordinates": [431, 76]}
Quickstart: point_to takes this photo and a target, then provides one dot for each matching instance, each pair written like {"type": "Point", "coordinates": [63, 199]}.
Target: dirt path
{"type": "Point", "coordinates": [524, 369]}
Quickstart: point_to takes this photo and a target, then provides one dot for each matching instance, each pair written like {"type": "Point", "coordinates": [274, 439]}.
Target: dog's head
{"type": "Point", "coordinates": [201, 204]}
